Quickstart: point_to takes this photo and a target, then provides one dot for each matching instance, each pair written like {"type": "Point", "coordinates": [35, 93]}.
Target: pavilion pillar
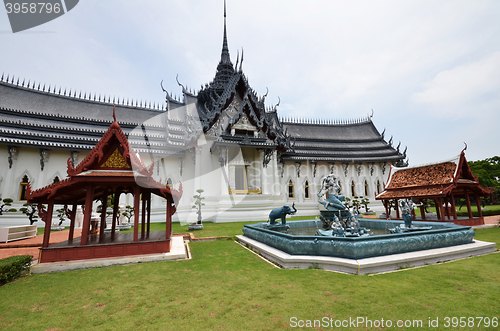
{"type": "Point", "coordinates": [115, 213]}
{"type": "Point", "coordinates": [467, 200]}
{"type": "Point", "coordinates": [87, 214]}
{"type": "Point", "coordinates": [168, 230]}
{"type": "Point", "coordinates": [437, 202]}
{"type": "Point", "coordinates": [143, 214]}
{"type": "Point", "coordinates": [72, 217]}
{"type": "Point", "coordinates": [48, 221]}
{"type": "Point", "coordinates": [422, 209]}
{"type": "Point", "coordinates": [453, 207]}
{"type": "Point", "coordinates": [137, 197]}
{"type": "Point", "coordinates": [387, 216]}
{"type": "Point", "coordinates": [104, 208]}
{"type": "Point", "coordinates": [397, 209]}
{"type": "Point", "coordinates": [446, 209]}
{"type": "Point", "coordinates": [148, 215]}
{"type": "Point", "coordinates": [441, 208]}
{"type": "Point", "coordinates": [478, 202]}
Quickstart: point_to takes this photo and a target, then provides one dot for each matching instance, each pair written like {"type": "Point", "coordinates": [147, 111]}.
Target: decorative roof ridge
{"type": "Point", "coordinates": [72, 95]}
{"type": "Point", "coordinates": [342, 140]}
{"type": "Point", "coordinates": [325, 121]}
{"type": "Point", "coordinates": [40, 143]}
{"type": "Point", "coordinates": [79, 129]}
{"type": "Point", "coordinates": [67, 117]}
{"type": "Point", "coordinates": [48, 135]}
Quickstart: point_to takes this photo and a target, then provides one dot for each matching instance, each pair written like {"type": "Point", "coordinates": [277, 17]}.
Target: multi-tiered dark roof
{"type": "Point", "coordinates": [351, 141]}
{"type": "Point", "coordinates": [50, 119]}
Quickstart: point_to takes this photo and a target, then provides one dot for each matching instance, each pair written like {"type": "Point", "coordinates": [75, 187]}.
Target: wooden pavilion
{"type": "Point", "coordinates": [111, 167]}
{"type": "Point", "coordinates": [442, 182]}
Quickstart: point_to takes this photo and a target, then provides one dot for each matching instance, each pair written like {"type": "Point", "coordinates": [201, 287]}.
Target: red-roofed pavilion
{"type": "Point", "coordinates": [111, 167]}
{"type": "Point", "coordinates": [442, 182]}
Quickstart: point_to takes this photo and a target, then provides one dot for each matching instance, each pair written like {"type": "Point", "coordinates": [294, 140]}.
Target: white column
{"type": "Point", "coordinates": [197, 168]}
{"type": "Point", "coordinates": [224, 172]}
{"type": "Point", "coordinates": [264, 181]}
{"type": "Point", "coordinates": [10, 190]}
{"type": "Point", "coordinates": [275, 176]}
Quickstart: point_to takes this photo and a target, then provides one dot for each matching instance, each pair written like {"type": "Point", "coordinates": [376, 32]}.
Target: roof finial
{"type": "Point", "coordinates": [241, 63]}
{"type": "Point", "coordinates": [237, 57]}
{"type": "Point", "coordinates": [279, 101]}
{"type": "Point", "coordinates": [225, 49]}
{"type": "Point", "coordinates": [465, 148]}
{"type": "Point", "coordinates": [114, 115]}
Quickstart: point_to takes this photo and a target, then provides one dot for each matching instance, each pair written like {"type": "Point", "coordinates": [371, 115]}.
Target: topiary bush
{"type": "Point", "coordinates": [12, 267]}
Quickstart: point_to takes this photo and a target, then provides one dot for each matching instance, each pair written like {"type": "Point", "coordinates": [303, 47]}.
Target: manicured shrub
{"type": "Point", "coordinates": [487, 212]}
{"type": "Point", "coordinates": [12, 267]}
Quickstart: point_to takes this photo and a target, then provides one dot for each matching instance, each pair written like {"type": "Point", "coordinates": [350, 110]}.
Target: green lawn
{"type": "Point", "coordinates": [228, 287]}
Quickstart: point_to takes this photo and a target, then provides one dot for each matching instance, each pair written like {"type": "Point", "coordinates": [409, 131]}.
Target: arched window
{"type": "Point", "coordinates": [169, 182]}
{"type": "Point", "coordinates": [24, 183]}
{"type": "Point", "coordinates": [56, 179]}
{"type": "Point", "coordinates": [290, 189]}
{"type": "Point", "coordinates": [366, 188]}
{"type": "Point", "coordinates": [306, 190]}
{"type": "Point", "coordinates": [378, 186]}
{"type": "Point", "coordinates": [353, 191]}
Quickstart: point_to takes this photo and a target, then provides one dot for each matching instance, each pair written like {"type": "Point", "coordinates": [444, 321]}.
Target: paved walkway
{"type": "Point", "coordinates": [30, 246]}
{"type": "Point", "coordinates": [492, 220]}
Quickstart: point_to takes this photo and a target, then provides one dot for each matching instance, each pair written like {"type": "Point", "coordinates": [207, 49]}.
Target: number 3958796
{"type": "Point", "coordinates": [32, 8]}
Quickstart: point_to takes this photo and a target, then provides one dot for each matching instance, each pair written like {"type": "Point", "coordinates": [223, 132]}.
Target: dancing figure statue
{"type": "Point", "coordinates": [406, 209]}
{"type": "Point", "coordinates": [334, 200]}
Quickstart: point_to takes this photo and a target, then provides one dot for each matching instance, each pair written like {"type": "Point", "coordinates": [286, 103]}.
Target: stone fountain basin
{"type": "Point", "coordinates": [441, 235]}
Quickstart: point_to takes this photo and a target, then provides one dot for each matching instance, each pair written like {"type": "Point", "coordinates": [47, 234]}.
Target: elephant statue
{"type": "Point", "coordinates": [281, 212]}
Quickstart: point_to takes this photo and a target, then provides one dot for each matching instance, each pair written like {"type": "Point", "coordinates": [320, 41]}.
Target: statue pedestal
{"type": "Point", "coordinates": [278, 227]}
{"type": "Point", "coordinates": [341, 214]}
{"type": "Point", "coordinates": [195, 226]}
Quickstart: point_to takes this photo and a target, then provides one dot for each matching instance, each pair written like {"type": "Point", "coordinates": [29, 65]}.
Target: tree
{"type": "Point", "coordinates": [128, 213]}
{"type": "Point", "coordinates": [5, 204]}
{"type": "Point", "coordinates": [61, 215]}
{"type": "Point", "coordinates": [30, 210]}
{"type": "Point", "coordinates": [353, 203]}
{"type": "Point", "coordinates": [487, 172]}
{"type": "Point", "coordinates": [365, 202]}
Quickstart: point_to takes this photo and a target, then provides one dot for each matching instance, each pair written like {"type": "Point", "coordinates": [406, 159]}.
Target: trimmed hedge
{"type": "Point", "coordinates": [487, 212]}
{"type": "Point", "coordinates": [12, 267]}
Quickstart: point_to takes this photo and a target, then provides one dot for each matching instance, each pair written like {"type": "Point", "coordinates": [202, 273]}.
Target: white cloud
{"type": "Point", "coordinates": [460, 90]}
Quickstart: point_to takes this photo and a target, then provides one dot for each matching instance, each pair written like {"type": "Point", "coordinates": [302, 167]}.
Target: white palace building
{"type": "Point", "coordinates": [222, 139]}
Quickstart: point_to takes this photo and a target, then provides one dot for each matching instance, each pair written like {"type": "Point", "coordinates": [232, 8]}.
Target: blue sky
{"type": "Point", "coordinates": [430, 70]}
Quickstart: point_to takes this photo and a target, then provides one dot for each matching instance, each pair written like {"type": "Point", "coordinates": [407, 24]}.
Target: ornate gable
{"type": "Point", "coordinates": [112, 152]}
{"type": "Point", "coordinates": [213, 107]}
